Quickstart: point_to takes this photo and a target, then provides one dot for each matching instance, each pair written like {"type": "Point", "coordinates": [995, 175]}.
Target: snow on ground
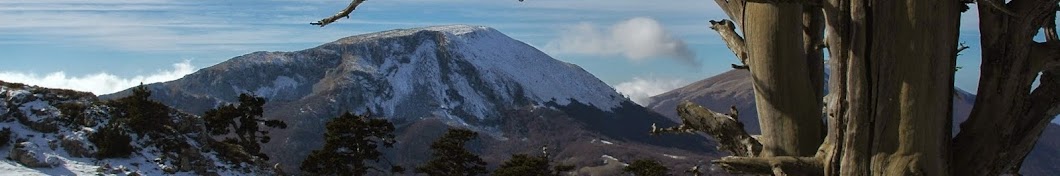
{"type": "Point", "coordinates": [674, 156]}
{"type": "Point", "coordinates": [47, 146]}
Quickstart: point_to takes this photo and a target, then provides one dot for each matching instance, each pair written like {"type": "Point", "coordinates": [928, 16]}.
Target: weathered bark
{"type": "Point", "coordinates": [891, 88]}
{"type": "Point", "coordinates": [725, 128]}
{"type": "Point", "coordinates": [734, 9]}
{"type": "Point", "coordinates": [777, 165]}
{"type": "Point", "coordinates": [813, 36]}
{"type": "Point", "coordinates": [1008, 117]}
{"type": "Point", "coordinates": [787, 110]}
{"type": "Point", "coordinates": [837, 151]}
{"type": "Point", "coordinates": [736, 44]}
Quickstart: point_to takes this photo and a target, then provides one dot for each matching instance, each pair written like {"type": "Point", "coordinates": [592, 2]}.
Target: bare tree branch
{"type": "Point", "coordinates": [778, 165]}
{"type": "Point", "coordinates": [344, 13]}
{"type": "Point", "coordinates": [725, 128]}
{"type": "Point", "coordinates": [733, 40]}
{"type": "Point", "coordinates": [741, 67]}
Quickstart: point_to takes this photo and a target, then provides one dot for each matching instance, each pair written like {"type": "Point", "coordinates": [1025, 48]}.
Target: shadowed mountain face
{"type": "Point", "coordinates": [734, 88]}
{"type": "Point", "coordinates": [429, 79]}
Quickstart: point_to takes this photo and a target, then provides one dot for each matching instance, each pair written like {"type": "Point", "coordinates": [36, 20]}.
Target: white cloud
{"type": "Point", "coordinates": [640, 89]}
{"type": "Point", "coordinates": [638, 39]}
{"type": "Point", "coordinates": [99, 83]}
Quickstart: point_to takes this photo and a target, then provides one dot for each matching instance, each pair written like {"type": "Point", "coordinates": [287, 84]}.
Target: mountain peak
{"type": "Point", "coordinates": [460, 72]}
{"type": "Point", "coordinates": [451, 31]}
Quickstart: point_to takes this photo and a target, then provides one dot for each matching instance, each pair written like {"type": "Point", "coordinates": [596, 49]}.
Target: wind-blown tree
{"type": "Point", "coordinates": [450, 158]}
{"type": "Point", "coordinates": [243, 121]}
{"type": "Point", "coordinates": [349, 142]}
{"type": "Point", "coordinates": [889, 108]}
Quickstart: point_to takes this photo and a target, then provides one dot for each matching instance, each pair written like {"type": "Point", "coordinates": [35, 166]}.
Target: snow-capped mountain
{"type": "Point", "coordinates": [734, 88]}
{"type": "Point", "coordinates": [461, 72]}
{"type": "Point", "coordinates": [460, 76]}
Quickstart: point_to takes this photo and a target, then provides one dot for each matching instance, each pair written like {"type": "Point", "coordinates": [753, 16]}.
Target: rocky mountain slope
{"type": "Point", "coordinates": [48, 132]}
{"type": "Point", "coordinates": [429, 79]}
{"type": "Point", "coordinates": [734, 88]}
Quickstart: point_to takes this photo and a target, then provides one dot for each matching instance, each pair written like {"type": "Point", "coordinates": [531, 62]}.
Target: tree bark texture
{"type": "Point", "coordinates": [889, 108]}
{"type": "Point", "coordinates": [1008, 116]}
{"type": "Point", "coordinates": [892, 72]}
{"type": "Point", "coordinates": [788, 109]}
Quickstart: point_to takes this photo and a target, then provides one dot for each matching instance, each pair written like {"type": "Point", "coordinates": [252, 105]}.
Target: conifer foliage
{"type": "Point", "coordinates": [140, 113]}
{"type": "Point", "coordinates": [527, 165]}
{"type": "Point", "coordinates": [450, 158]}
{"type": "Point", "coordinates": [645, 167]}
{"type": "Point", "coordinates": [350, 141]}
{"type": "Point", "coordinates": [243, 120]}
{"type": "Point", "coordinates": [112, 141]}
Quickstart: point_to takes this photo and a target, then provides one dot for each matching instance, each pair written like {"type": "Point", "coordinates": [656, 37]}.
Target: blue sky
{"type": "Point", "coordinates": [106, 45]}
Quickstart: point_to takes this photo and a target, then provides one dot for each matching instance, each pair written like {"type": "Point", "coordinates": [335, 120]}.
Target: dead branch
{"type": "Point", "coordinates": [733, 40]}
{"type": "Point", "coordinates": [344, 13]}
{"type": "Point", "coordinates": [778, 165]}
{"type": "Point", "coordinates": [961, 47]}
{"type": "Point", "coordinates": [725, 128]}
{"type": "Point", "coordinates": [741, 67]}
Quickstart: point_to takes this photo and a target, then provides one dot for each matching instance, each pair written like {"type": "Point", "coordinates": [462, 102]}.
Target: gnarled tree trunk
{"type": "Point", "coordinates": [1008, 117]}
{"type": "Point", "coordinates": [788, 106]}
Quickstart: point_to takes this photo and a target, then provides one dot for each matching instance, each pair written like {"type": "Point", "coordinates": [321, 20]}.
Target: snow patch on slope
{"type": "Point", "coordinates": [501, 62]}
{"type": "Point", "coordinates": [543, 77]}
{"type": "Point", "coordinates": [281, 83]}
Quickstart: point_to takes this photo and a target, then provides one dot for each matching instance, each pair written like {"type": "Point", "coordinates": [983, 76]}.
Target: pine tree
{"type": "Point", "coordinates": [646, 167]}
{"type": "Point", "coordinates": [526, 165]}
{"type": "Point", "coordinates": [243, 120]}
{"type": "Point", "coordinates": [450, 158]}
{"type": "Point", "coordinates": [349, 142]}
{"type": "Point", "coordinates": [140, 113]}
{"type": "Point", "coordinates": [112, 142]}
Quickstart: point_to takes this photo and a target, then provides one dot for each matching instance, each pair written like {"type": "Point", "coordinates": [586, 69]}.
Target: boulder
{"type": "Point", "coordinates": [29, 154]}
{"type": "Point", "coordinates": [77, 145]}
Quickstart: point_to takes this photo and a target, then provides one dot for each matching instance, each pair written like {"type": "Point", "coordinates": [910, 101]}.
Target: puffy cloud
{"type": "Point", "coordinates": [99, 83]}
{"type": "Point", "coordinates": [640, 89]}
{"type": "Point", "coordinates": [638, 39]}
